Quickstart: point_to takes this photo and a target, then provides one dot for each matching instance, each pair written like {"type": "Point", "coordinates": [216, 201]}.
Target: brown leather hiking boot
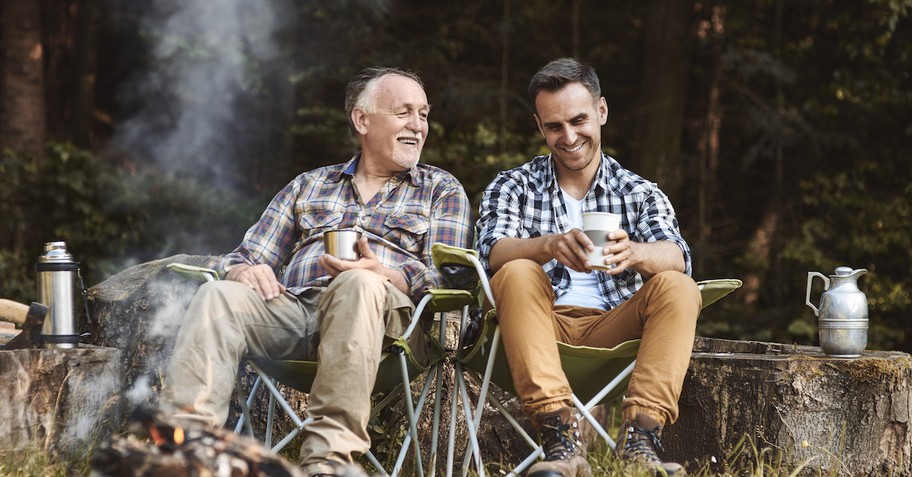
{"type": "Point", "coordinates": [562, 445]}
{"type": "Point", "coordinates": [639, 441]}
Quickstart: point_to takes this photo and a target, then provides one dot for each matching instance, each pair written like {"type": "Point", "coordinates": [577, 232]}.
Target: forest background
{"type": "Point", "coordinates": [781, 129]}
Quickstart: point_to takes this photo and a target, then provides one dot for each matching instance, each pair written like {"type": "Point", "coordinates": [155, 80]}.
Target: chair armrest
{"type": "Point", "coordinates": [444, 254]}
{"type": "Point", "coordinates": [715, 290]}
{"type": "Point", "coordinates": [200, 274]}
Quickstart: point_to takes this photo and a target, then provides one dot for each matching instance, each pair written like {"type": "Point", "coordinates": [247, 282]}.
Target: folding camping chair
{"type": "Point", "coordinates": [394, 378]}
{"type": "Point", "coordinates": [586, 369]}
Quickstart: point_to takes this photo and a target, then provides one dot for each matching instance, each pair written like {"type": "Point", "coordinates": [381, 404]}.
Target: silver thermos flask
{"type": "Point", "coordinates": [57, 276]}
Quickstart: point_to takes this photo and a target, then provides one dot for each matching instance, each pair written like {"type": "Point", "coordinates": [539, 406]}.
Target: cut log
{"type": "Point", "coordinates": [848, 417]}
{"type": "Point", "coordinates": [60, 401]}
{"type": "Point", "coordinates": [138, 311]}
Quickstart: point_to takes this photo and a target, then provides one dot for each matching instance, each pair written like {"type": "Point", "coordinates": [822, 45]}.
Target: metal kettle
{"type": "Point", "coordinates": [842, 299]}
{"type": "Point", "coordinates": [843, 313]}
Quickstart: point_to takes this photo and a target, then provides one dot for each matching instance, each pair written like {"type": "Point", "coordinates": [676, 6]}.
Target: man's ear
{"type": "Point", "coordinates": [360, 120]}
{"type": "Point", "coordinates": [603, 111]}
{"type": "Point", "coordinates": [538, 123]}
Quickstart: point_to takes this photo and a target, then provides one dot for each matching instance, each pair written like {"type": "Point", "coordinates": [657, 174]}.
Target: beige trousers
{"type": "Point", "coordinates": [344, 327]}
{"type": "Point", "coordinates": [663, 313]}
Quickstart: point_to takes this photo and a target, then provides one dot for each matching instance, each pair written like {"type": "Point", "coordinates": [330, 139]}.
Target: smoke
{"type": "Point", "coordinates": [209, 63]}
{"type": "Point", "coordinates": [172, 299]}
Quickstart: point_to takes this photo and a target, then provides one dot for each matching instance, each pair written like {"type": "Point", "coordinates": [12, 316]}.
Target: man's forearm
{"type": "Point", "coordinates": [507, 249]}
{"type": "Point", "coordinates": [650, 258]}
{"type": "Point", "coordinates": [396, 278]}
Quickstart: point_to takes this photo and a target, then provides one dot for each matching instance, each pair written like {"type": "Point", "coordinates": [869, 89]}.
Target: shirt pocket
{"type": "Point", "coordinates": [319, 221]}
{"type": "Point", "coordinates": [409, 231]}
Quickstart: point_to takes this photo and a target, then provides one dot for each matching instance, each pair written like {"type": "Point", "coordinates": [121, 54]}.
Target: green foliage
{"type": "Point", "coordinates": [863, 227]}
{"type": "Point", "coordinates": [110, 216]}
{"type": "Point", "coordinates": [67, 194]}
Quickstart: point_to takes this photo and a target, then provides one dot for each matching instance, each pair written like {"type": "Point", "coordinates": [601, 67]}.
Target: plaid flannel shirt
{"type": "Point", "coordinates": [410, 213]}
{"type": "Point", "coordinates": [526, 202]}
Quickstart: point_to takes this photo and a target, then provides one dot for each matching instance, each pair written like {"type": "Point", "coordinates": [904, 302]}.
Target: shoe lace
{"type": "Point", "coordinates": [560, 440]}
{"type": "Point", "coordinates": [642, 444]}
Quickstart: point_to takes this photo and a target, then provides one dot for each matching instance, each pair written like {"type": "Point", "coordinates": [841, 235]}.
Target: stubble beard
{"type": "Point", "coordinates": [406, 161]}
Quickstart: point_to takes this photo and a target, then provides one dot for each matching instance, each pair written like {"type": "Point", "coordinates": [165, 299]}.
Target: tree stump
{"type": "Point", "coordinates": [60, 401]}
{"type": "Point", "coordinates": [835, 416]}
{"type": "Point", "coordinates": [138, 311]}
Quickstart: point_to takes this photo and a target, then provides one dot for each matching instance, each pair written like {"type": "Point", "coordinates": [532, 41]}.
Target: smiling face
{"type": "Point", "coordinates": [393, 124]}
{"type": "Point", "coordinates": [571, 121]}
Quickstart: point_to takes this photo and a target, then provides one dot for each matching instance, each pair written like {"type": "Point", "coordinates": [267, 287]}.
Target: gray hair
{"type": "Point", "coordinates": [559, 73]}
{"type": "Point", "coordinates": [360, 91]}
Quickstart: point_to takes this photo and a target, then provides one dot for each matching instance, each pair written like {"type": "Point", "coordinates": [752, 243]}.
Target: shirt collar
{"type": "Point", "coordinates": [349, 170]}
{"type": "Point", "coordinates": [600, 184]}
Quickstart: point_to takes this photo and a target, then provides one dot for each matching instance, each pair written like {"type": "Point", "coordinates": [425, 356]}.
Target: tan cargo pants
{"type": "Point", "coordinates": [663, 313]}
{"type": "Point", "coordinates": [344, 326]}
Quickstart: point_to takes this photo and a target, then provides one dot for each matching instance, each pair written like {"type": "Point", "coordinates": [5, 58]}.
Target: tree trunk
{"type": "Point", "coordinates": [84, 70]}
{"type": "Point", "coordinates": [759, 252]}
{"type": "Point", "coordinates": [662, 97]}
{"type": "Point", "coordinates": [22, 126]}
{"type": "Point", "coordinates": [504, 75]}
{"type": "Point", "coordinates": [709, 142]}
{"type": "Point", "coordinates": [847, 417]}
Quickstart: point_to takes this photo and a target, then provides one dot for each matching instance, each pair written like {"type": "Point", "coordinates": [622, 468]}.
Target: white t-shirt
{"type": "Point", "coordinates": [584, 289]}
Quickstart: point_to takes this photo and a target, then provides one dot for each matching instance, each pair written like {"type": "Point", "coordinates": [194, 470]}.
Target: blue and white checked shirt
{"type": "Point", "coordinates": [410, 213]}
{"type": "Point", "coordinates": [527, 202]}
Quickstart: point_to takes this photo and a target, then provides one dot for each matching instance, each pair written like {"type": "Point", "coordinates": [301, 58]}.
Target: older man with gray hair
{"type": "Point", "coordinates": [284, 297]}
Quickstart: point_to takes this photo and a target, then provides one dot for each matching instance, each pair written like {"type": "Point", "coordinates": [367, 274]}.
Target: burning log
{"type": "Point", "coordinates": [169, 449]}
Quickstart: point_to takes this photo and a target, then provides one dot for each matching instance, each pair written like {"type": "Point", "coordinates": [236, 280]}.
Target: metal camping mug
{"type": "Point", "coordinates": [342, 244]}
{"type": "Point", "coordinates": [57, 275]}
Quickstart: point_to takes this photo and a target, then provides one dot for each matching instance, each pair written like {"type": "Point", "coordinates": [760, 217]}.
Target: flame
{"type": "Point", "coordinates": [156, 436]}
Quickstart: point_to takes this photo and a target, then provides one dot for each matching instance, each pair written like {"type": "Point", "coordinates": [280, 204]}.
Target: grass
{"type": "Point", "coordinates": [746, 460]}
{"type": "Point", "coordinates": [35, 462]}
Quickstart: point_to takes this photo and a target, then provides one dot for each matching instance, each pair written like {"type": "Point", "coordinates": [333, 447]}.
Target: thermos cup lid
{"type": "Point", "coordinates": [55, 252]}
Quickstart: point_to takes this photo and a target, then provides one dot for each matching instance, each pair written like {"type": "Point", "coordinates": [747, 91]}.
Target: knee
{"type": "Point", "coordinates": [225, 295]}
{"type": "Point", "coordinates": [220, 288]}
{"type": "Point", "coordinates": [516, 271]}
{"type": "Point", "coordinates": [678, 285]}
{"type": "Point", "coordinates": [358, 279]}
{"type": "Point", "coordinates": [218, 300]}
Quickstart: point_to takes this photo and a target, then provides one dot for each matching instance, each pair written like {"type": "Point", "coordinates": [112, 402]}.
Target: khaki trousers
{"type": "Point", "coordinates": [663, 313]}
{"type": "Point", "coordinates": [344, 326]}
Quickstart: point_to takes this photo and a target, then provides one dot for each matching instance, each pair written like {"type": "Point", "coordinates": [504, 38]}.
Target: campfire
{"type": "Point", "coordinates": [158, 447]}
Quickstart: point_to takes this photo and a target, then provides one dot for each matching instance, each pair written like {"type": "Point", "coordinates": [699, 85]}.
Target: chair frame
{"type": "Point", "coordinates": [434, 301]}
{"type": "Point", "coordinates": [437, 301]}
{"type": "Point", "coordinates": [616, 386]}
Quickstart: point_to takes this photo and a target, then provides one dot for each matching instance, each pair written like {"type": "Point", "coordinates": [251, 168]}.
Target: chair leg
{"type": "Point", "coordinates": [245, 421]}
{"type": "Point", "coordinates": [275, 397]}
{"type": "Point", "coordinates": [584, 409]}
{"type": "Point", "coordinates": [471, 427]}
{"type": "Point", "coordinates": [454, 401]}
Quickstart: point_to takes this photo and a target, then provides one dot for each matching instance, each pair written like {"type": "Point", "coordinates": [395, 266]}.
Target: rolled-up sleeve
{"type": "Point", "coordinates": [658, 222]}
{"type": "Point", "coordinates": [499, 215]}
{"type": "Point", "coordinates": [451, 224]}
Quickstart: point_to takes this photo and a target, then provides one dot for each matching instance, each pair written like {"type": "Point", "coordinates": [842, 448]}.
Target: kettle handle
{"type": "Point", "coordinates": [826, 286]}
